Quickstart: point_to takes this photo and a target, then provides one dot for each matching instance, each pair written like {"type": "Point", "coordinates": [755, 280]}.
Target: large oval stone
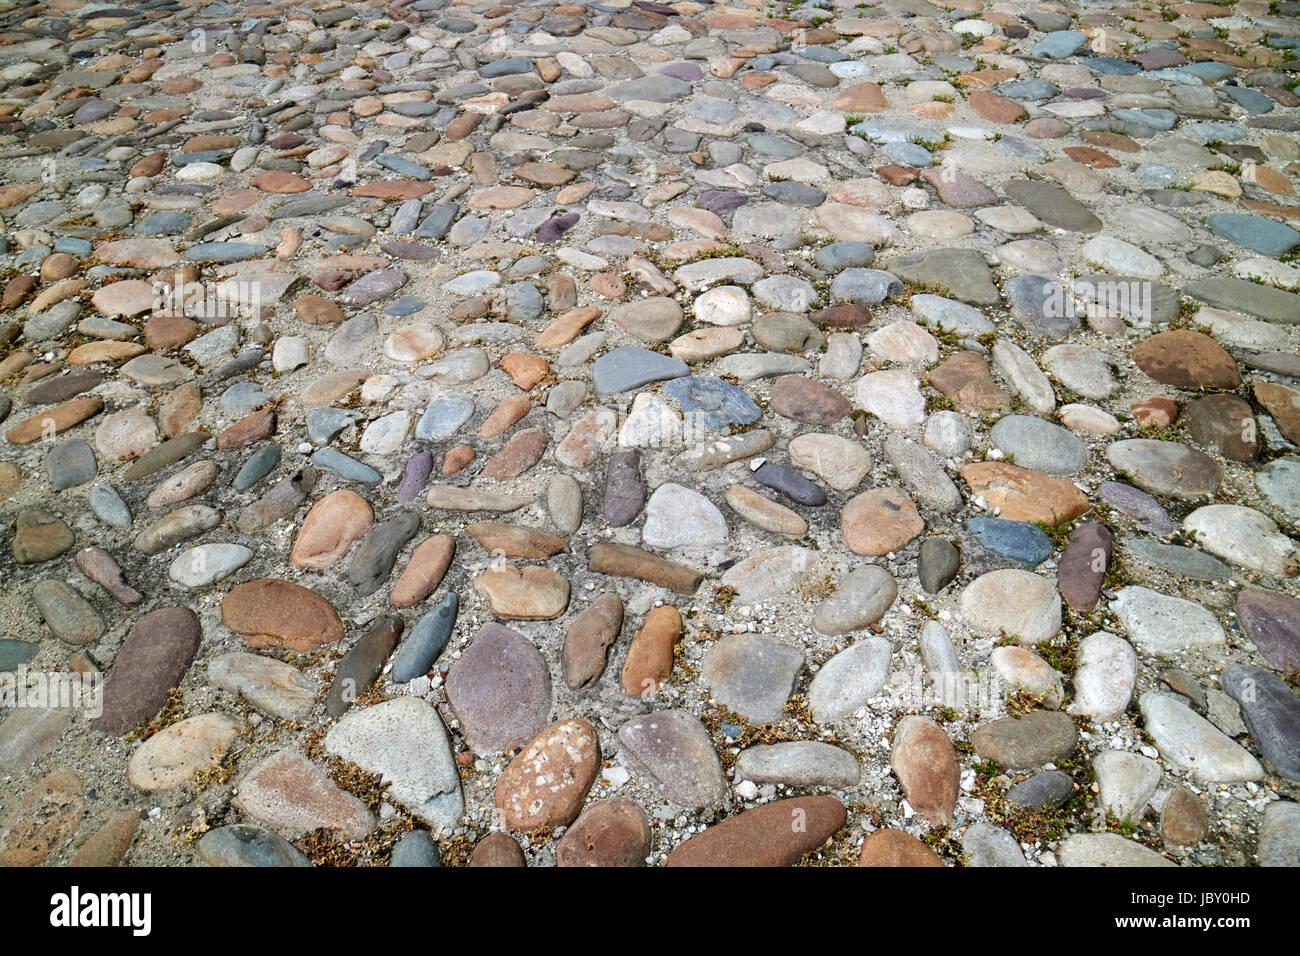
{"type": "Point", "coordinates": [672, 748]}
{"type": "Point", "coordinates": [775, 834]}
{"type": "Point", "coordinates": [149, 665]}
{"type": "Point", "coordinates": [500, 689]}
{"type": "Point", "coordinates": [269, 612]}
{"type": "Point", "coordinates": [330, 529]}
{"type": "Point", "coordinates": [171, 757]}
{"type": "Point", "coordinates": [610, 833]}
{"type": "Point", "coordinates": [546, 783]}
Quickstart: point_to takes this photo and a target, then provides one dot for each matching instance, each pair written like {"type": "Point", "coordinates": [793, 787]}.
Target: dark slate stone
{"type": "Point", "coordinates": [69, 464]}
{"type": "Point", "coordinates": [1046, 790]}
{"type": "Point", "coordinates": [427, 640]}
{"type": "Point", "coordinates": [259, 465]}
{"type": "Point", "coordinates": [361, 665]}
{"type": "Point", "coordinates": [14, 654]}
{"type": "Point", "coordinates": [377, 552]}
{"type": "Point", "coordinates": [711, 403]}
{"type": "Point", "coordinates": [1272, 622]}
{"type": "Point", "coordinates": [242, 844]}
{"type": "Point", "coordinates": [1042, 306]}
{"type": "Point", "coordinates": [1271, 710]}
{"type": "Point", "coordinates": [937, 563]}
{"type": "Point", "coordinates": [625, 492]}
{"type": "Point", "coordinates": [415, 849]}
{"type": "Point", "coordinates": [1179, 561]}
{"type": "Point", "coordinates": [790, 483]}
{"type": "Point", "coordinates": [1017, 540]}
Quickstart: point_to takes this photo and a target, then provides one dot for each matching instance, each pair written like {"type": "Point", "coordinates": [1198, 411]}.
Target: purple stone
{"type": "Point", "coordinates": [413, 478]}
{"type": "Point", "coordinates": [1138, 505]}
{"type": "Point", "coordinates": [625, 492]}
{"type": "Point", "coordinates": [1272, 622]}
{"type": "Point", "coordinates": [374, 286]}
{"type": "Point", "coordinates": [1159, 59]}
{"type": "Point", "coordinates": [688, 72]}
{"type": "Point", "coordinates": [1085, 93]}
{"type": "Point", "coordinates": [1015, 31]}
{"type": "Point", "coordinates": [1083, 565]}
{"type": "Point", "coordinates": [557, 226]}
{"type": "Point", "coordinates": [790, 483]}
{"type": "Point", "coordinates": [720, 201]}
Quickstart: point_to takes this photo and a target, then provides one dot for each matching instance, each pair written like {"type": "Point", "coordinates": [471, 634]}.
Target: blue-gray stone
{"type": "Point", "coordinates": [69, 464]}
{"type": "Point", "coordinates": [711, 403]}
{"type": "Point", "coordinates": [1180, 561]}
{"type": "Point", "coordinates": [242, 398]}
{"type": "Point", "coordinates": [506, 67]}
{"type": "Point", "coordinates": [309, 205]}
{"type": "Point", "coordinates": [1059, 44]}
{"type": "Point", "coordinates": [1154, 175]}
{"type": "Point", "coordinates": [1210, 132]}
{"type": "Point", "coordinates": [444, 416]}
{"type": "Point", "coordinates": [715, 112]}
{"type": "Point", "coordinates": [323, 424]}
{"type": "Point", "coordinates": [203, 156]}
{"type": "Point", "coordinates": [1154, 118]}
{"type": "Point", "coordinates": [404, 306]}
{"type": "Point", "coordinates": [790, 483]}
{"type": "Point", "coordinates": [656, 89]}
{"type": "Point", "coordinates": [375, 556]}
{"type": "Point", "coordinates": [426, 641]}
{"type": "Point", "coordinates": [407, 217]}
{"type": "Point", "coordinates": [415, 849]}
{"type": "Point", "coordinates": [168, 223]}
{"type": "Point", "coordinates": [349, 469]}
{"type": "Point", "coordinates": [403, 167]}
{"type": "Point", "coordinates": [1039, 445]}
{"type": "Point", "coordinates": [1271, 710]}
{"type": "Point", "coordinates": [1046, 790]}
{"type": "Point", "coordinates": [1017, 540]}
{"type": "Point", "coordinates": [794, 194]}
{"type": "Point", "coordinates": [1042, 306]}
{"type": "Point", "coordinates": [14, 654]}
{"type": "Point", "coordinates": [438, 221]}
{"type": "Point", "coordinates": [908, 154]}
{"type": "Point", "coordinates": [1253, 101]}
{"type": "Point", "coordinates": [225, 251]}
{"type": "Point", "coordinates": [844, 255]}
{"type": "Point", "coordinates": [109, 506]}
{"type": "Point", "coordinates": [523, 302]}
{"type": "Point", "coordinates": [631, 367]}
{"type": "Point", "coordinates": [258, 466]}
{"type": "Point", "coordinates": [73, 246]}
{"type": "Point", "coordinates": [1208, 70]}
{"type": "Point", "coordinates": [1014, 146]}
{"type": "Point", "coordinates": [1027, 90]}
{"type": "Point", "coordinates": [822, 54]}
{"type": "Point", "coordinates": [1265, 236]}
{"type": "Point", "coordinates": [242, 844]}
{"type": "Point", "coordinates": [866, 286]}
